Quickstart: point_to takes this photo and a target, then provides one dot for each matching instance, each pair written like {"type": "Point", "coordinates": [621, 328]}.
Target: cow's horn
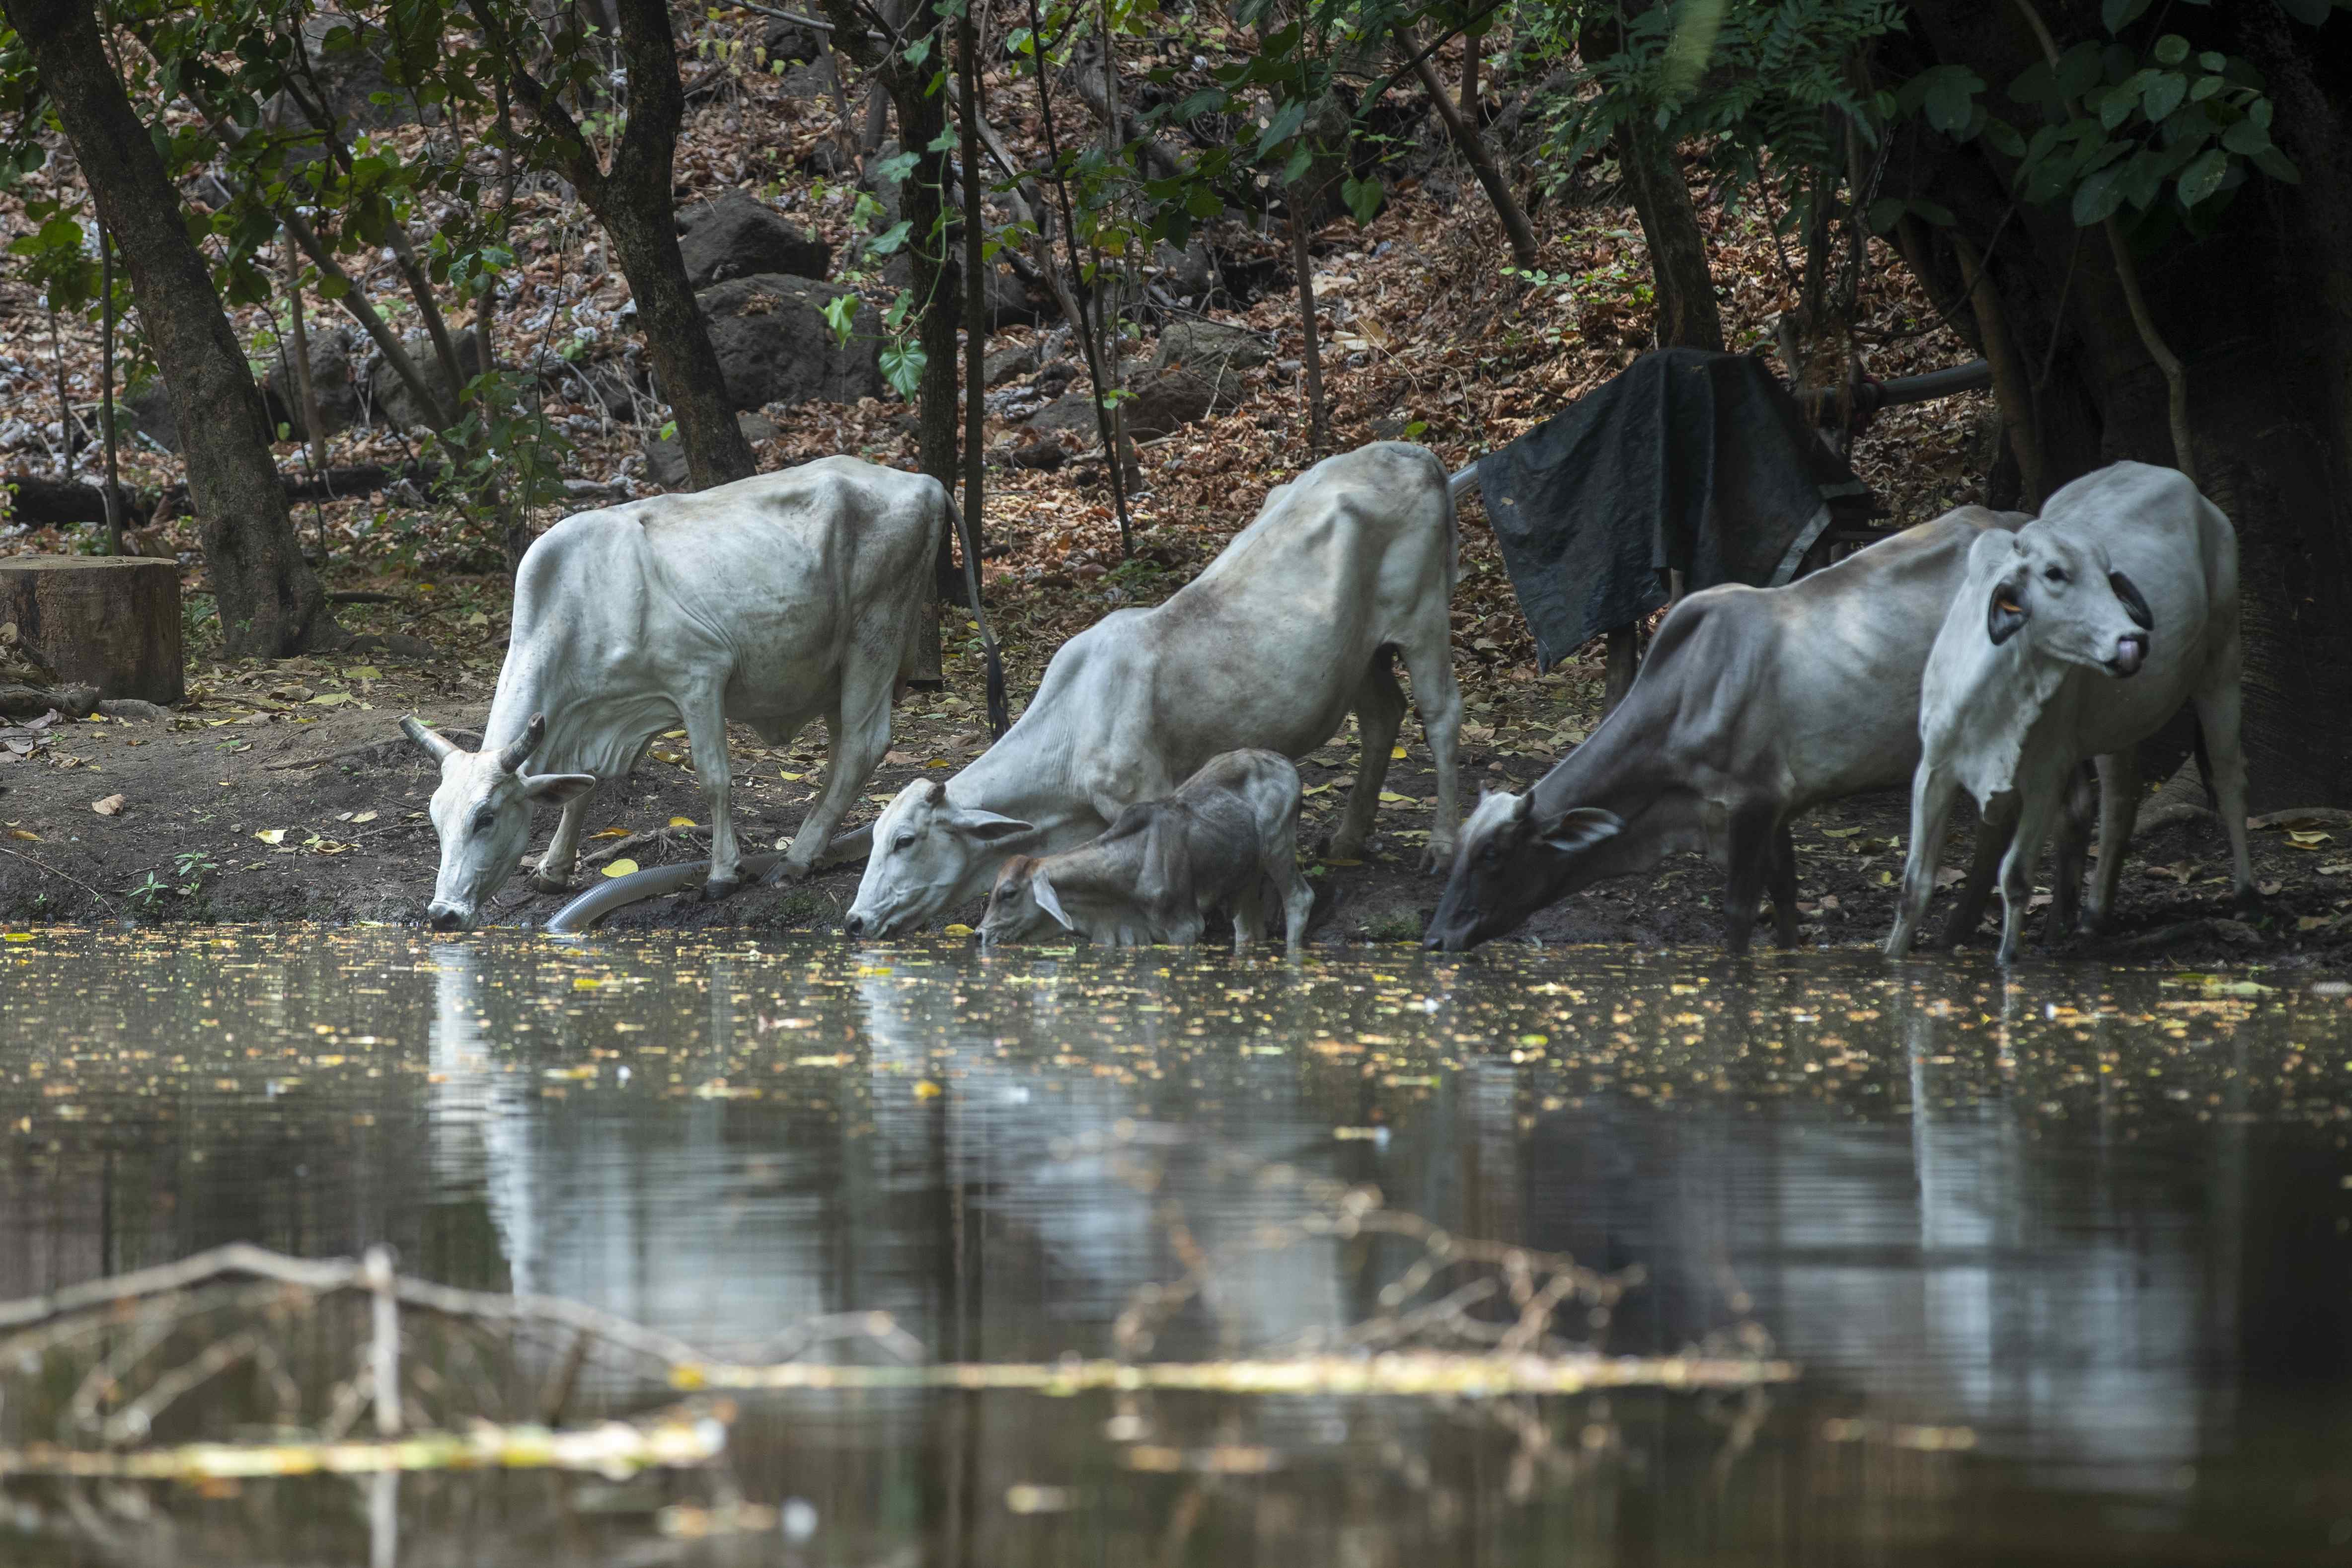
{"type": "Point", "coordinates": [438, 747]}
{"type": "Point", "coordinates": [518, 752]}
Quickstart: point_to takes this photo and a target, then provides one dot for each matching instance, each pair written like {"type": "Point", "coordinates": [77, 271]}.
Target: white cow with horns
{"type": "Point", "coordinates": [773, 600]}
{"type": "Point", "coordinates": [1349, 565]}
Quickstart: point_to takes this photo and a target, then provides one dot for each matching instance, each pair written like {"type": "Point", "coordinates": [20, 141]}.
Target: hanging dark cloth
{"type": "Point", "coordinates": [1689, 460]}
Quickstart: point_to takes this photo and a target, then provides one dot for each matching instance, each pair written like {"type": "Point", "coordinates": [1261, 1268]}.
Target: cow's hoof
{"type": "Point", "coordinates": [1342, 850]}
{"type": "Point", "coordinates": [542, 882]}
{"type": "Point", "coordinates": [1437, 858]}
{"type": "Point", "coordinates": [2249, 901]}
{"type": "Point", "coordinates": [786, 873]}
{"type": "Point", "coordinates": [716, 888]}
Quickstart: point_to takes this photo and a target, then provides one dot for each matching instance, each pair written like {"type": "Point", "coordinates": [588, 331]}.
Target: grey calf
{"type": "Point", "coordinates": [1224, 836]}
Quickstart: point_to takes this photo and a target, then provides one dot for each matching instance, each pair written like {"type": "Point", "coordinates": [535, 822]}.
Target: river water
{"type": "Point", "coordinates": [2055, 1265]}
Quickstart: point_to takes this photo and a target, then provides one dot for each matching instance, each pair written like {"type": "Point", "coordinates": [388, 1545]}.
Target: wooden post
{"type": "Point", "coordinates": [1625, 662]}
{"type": "Point", "coordinates": [109, 621]}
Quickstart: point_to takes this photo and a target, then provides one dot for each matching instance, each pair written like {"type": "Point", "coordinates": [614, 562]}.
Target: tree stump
{"type": "Point", "coordinates": [109, 621]}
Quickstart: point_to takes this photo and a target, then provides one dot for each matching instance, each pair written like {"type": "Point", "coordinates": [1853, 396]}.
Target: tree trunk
{"type": "Point", "coordinates": [270, 603]}
{"type": "Point", "coordinates": [2260, 316]}
{"type": "Point", "coordinates": [1473, 148]}
{"type": "Point", "coordinates": [634, 204]}
{"type": "Point", "coordinates": [112, 622]}
{"type": "Point", "coordinates": [1687, 313]}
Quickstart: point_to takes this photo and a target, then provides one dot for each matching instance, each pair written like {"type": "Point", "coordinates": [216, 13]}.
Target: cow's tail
{"type": "Point", "coordinates": [1000, 709]}
{"type": "Point", "coordinates": [1453, 530]}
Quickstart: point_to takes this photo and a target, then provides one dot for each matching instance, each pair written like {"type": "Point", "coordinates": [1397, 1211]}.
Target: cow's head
{"type": "Point", "coordinates": [1513, 861]}
{"type": "Point", "coordinates": [1023, 904]}
{"type": "Point", "coordinates": [482, 812]}
{"type": "Point", "coordinates": [928, 856]}
{"type": "Point", "coordinates": [2065, 595]}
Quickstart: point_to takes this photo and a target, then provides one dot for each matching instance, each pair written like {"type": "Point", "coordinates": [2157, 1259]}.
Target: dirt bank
{"type": "Point", "coordinates": [285, 792]}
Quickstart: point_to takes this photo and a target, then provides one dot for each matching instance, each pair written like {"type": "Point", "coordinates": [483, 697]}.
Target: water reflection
{"type": "Point", "coordinates": [2063, 1255]}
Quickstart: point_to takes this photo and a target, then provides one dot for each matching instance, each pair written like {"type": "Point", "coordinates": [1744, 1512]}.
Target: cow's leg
{"type": "Point", "coordinates": [1931, 808]}
{"type": "Point", "coordinates": [1279, 864]}
{"type": "Point", "coordinates": [2078, 806]}
{"type": "Point", "coordinates": [2037, 803]}
{"type": "Point", "coordinates": [1995, 826]}
{"type": "Point", "coordinates": [860, 726]}
{"type": "Point", "coordinates": [563, 856]}
{"type": "Point", "coordinates": [1780, 885]}
{"type": "Point", "coordinates": [2217, 713]}
{"type": "Point", "coordinates": [2118, 810]}
{"type": "Point", "coordinates": [706, 737]}
{"type": "Point", "coordinates": [1379, 713]}
{"type": "Point", "coordinates": [1437, 698]}
{"type": "Point", "coordinates": [1749, 852]}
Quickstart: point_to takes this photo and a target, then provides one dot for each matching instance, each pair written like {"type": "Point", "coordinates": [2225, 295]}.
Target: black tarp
{"type": "Point", "coordinates": [1691, 461]}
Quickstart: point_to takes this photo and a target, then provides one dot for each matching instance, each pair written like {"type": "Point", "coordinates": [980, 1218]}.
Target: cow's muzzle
{"type": "Point", "coordinates": [2131, 653]}
{"type": "Point", "coordinates": [446, 916]}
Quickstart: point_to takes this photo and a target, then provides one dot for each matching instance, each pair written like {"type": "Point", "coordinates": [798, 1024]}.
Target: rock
{"type": "Point", "coordinates": [1215, 352]}
{"type": "Point", "coordinates": [345, 55]}
{"type": "Point", "coordinates": [736, 234]}
{"type": "Point", "coordinates": [1005, 363]}
{"type": "Point", "coordinates": [665, 459]}
{"type": "Point", "coordinates": [1047, 455]}
{"type": "Point", "coordinates": [332, 381]}
{"type": "Point", "coordinates": [1190, 274]}
{"type": "Point", "coordinates": [394, 403]}
{"type": "Point", "coordinates": [812, 83]}
{"type": "Point", "coordinates": [775, 345]}
{"type": "Point", "coordinates": [1167, 400]}
{"type": "Point", "coordinates": [131, 710]}
{"type": "Point", "coordinates": [1391, 428]}
{"type": "Point", "coordinates": [150, 408]}
{"type": "Point", "coordinates": [786, 39]}
{"type": "Point", "coordinates": [1072, 411]}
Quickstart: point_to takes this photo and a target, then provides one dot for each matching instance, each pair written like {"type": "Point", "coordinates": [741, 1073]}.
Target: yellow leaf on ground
{"type": "Point", "coordinates": [793, 777]}
{"type": "Point", "coordinates": [2308, 840]}
{"type": "Point", "coordinates": [364, 817]}
{"type": "Point", "coordinates": [959, 930]}
{"type": "Point", "coordinates": [1397, 755]}
{"type": "Point", "coordinates": [1392, 797]}
{"type": "Point", "coordinates": [1317, 788]}
{"type": "Point", "coordinates": [476, 619]}
{"type": "Point", "coordinates": [109, 806]}
{"type": "Point", "coordinates": [328, 699]}
{"type": "Point", "coordinates": [622, 867]}
{"type": "Point", "coordinates": [684, 822]}
{"type": "Point", "coordinates": [609, 833]}
{"type": "Point", "coordinates": [673, 734]}
{"type": "Point", "coordinates": [27, 834]}
{"type": "Point", "coordinates": [272, 835]}
{"type": "Point", "coordinates": [363, 673]}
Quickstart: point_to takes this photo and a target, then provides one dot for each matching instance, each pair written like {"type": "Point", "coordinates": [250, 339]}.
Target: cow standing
{"type": "Point", "coordinates": [1223, 840]}
{"type": "Point", "coordinates": [1754, 705]}
{"type": "Point", "coordinates": [773, 600]}
{"type": "Point", "coordinates": [2078, 637]}
{"type": "Point", "coordinates": [1292, 625]}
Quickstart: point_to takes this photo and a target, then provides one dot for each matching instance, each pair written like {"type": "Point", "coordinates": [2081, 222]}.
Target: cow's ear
{"type": "Point", "coordinates": [2133, 605]}
{"type": "Point", "coordinates": [558, 787]}
{"type": "Point", "coordinates": [2007, 607]}
{"type": "Point", "coordinates": [1582, 827]}
{"type": "Point", "coordinates": [1040, 888]}
{"type": "Point", "coordinates": [988, 828]}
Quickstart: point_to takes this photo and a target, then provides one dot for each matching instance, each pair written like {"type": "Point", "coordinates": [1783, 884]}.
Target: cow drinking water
{"type": "Point", "coordinates": [773, 601]}
{"type": "Point", "coordinates": [1345, 568]}
{"type": "Point", "coordinates": [1753, 705]}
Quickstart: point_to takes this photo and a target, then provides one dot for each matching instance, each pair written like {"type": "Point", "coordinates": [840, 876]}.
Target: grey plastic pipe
{"type": "Point", "coordinates": [619, 892]}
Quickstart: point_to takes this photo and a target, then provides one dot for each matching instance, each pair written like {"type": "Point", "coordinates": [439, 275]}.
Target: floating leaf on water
{"type": "Point", "coordinates": [959, 930]}
{"type": "Point", "coordinates": [927, 1089]}
{"type": "Point", "coordinates": [18, 936]}
{"type": "Point", "coordinates": [624, 866]}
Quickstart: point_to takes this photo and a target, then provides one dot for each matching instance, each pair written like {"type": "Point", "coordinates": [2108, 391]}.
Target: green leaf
{"type": "Point", "coordinates": [2164, 92]}
{"type": "Point", "coordinates": [2120, 14]}
{"type": "Point", "coordinates": [893, 169]}
{"type": "Point", "coordinates": [945, 141]}
{"type": "Point", "coordinates": [2203, 176]}
{"type": "Point", "coordinates": [1363, 198]}
{"type": "Point", "coordinates": [890, 240]}
{"type": "Point", "coordinates": [918, 51]}
{"type": "Point", "coordinates": [2309, 12]}
{"type": "Point", "coordinates": [2278, 166]}
{"type": "Point", "coordinates": [1885, 213]}
{"type": "Point", "coordinates": [840, 313]}
{"type": "Point", "coordinates": [2096, 198]}
{"type": "Point", "coordinates": [902, 367]}
{"type": "Point", "coordinates": [2171, 49]}
{"type": "Point", "coordinates": [2246, 138]}
{"type": "Point", "coordinates": [2004, 137]}
{"type": "Point", "coordinates": [1951, 97]}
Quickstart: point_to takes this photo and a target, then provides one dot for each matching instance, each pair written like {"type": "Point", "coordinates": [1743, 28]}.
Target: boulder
{"type": "Point", "coordinates": [736, 234]}
{"type": "Point", "coordinates": [345, 55]}
{"type": "Point", "coordinates": [1188, 275]}
{"type": "Point", "coordinates": [1167, 400]}
{"type": "Point", "coordinates": [149, 409]}
{"type": "Point", "coordinates": [812, 83]}
{"type": "Point", "coordinates": [787, 39]}
{"type": "Point", "coordinates": [1214, 352]}
{"type": "Point", "coordinates": [1005, 363]}
{"type": "Point", "coordinates": [390, 395]}
{"type": "Point", "coordinates": [665, 459]}
{"type": "Point", "coordinates": [775, 345]}
{"type": "Point", "coordinates": [1072, 411]}
{"type": "Point", "coordinates": [333, 382]}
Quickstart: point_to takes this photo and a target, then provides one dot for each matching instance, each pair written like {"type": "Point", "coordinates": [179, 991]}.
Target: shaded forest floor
{"type": "Point", "coordinates": [1424, 339]}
